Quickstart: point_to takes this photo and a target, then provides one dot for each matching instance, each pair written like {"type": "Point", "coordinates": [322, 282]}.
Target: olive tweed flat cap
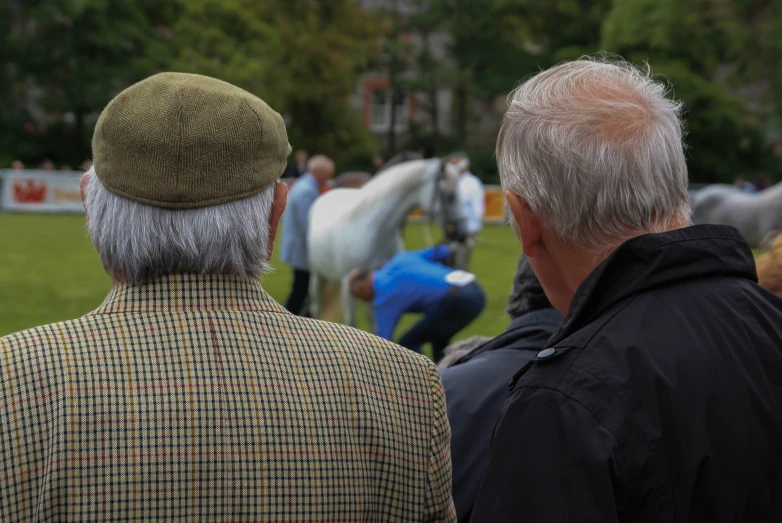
{"type": "Point", "coordinates": [183, 141]}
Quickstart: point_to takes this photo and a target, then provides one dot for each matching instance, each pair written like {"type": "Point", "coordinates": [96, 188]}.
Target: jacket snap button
{"type": "Point", "coordinates": [545, 353]}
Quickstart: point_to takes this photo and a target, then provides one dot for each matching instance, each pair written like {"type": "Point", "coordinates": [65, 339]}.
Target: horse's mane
{"type": "Point", "coordinates": [772, 192]}
{"type": "Point", "coordinates": [400, 177]}
{"type": "Point", "coordinates": [402, 157]}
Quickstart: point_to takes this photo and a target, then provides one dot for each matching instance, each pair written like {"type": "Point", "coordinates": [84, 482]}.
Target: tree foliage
{"type": "Point", "coordinates": [495, 43]}
{"type": "Point", "coordinates": [706, 73]}
{"type": "Point", "coordinates": [65, 59]}
{"type": "Point", "coordinates": [316, 56]}
{"type": "Point", "coordinates": [302, 57]}
{"type": "Point", "coordinates": [722, 58]}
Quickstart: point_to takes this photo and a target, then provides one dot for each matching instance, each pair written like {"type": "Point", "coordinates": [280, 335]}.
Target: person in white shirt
{"type": "Point", "coordinates": [471, 195]}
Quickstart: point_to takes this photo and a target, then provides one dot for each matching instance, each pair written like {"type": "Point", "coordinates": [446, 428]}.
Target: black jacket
{"type": "Point", "coordinates": [660, 399]}
{"type": "Point", "coordinates": [476, 387]}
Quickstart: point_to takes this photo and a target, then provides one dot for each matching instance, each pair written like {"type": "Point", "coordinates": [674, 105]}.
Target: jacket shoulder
{"type": "Point", "coordinates": [50, 336]}
{"type": "Point", "coordinates": [488, 368]}
{"type": "Point", "coordinates": [29, 353]}
{"type": "Point", "coordinates": [303, 189]}
{"type": "Point", "coordinates": [387, 349]}
{"type": "Point", "coordinates": [362, 347]}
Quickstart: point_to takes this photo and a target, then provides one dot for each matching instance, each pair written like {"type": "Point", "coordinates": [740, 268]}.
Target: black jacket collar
{"type": "Point", "coordinates": [655, 260]}
{"type": "Point", "coordinates": [530, 331]}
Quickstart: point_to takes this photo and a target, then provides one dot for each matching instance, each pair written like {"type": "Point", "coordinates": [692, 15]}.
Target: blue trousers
{"type": "Point", "coordinates": [454, 312]}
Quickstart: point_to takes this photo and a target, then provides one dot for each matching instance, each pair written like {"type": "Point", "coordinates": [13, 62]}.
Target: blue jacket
{"type": "Point", "coordinates": [296, 222]}
{"type": "Point", "coordinates": [476, 388]}
{"type": "Point", "coordinates": [412, 281]}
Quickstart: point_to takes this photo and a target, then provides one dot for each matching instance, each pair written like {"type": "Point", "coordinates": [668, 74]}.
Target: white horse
{"type": "Point", "coordinates": [754, 215]}
{"type": "Point", "coordinates": [361, 228]}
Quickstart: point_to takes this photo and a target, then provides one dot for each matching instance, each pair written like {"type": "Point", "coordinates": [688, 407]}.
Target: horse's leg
{"type": "Point", "coordinates": [400, 243]}
{"type": "Point", "coordinates": [315, 290]}
{"type": "Point", "coordinates": [369, 310]}
{"type": "Point", "coordinates": [348, 303]}
{"type": "Point", "coordinates": [330, 309]}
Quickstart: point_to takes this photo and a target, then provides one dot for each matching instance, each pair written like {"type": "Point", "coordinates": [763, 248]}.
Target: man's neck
{"type": "Point", "coordinates": [317, 181]}
{"type": "Point", "coordinates": [574, 264]}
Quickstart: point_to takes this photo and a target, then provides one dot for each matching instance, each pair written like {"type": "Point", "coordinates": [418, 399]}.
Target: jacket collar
{"type": "Point", "coordinates": [655, 260]}
{"type": "Point", "coordinates": [528, 332]}
{"type": "Point", "coordinates": [179, 292]}
{"type": "Point", "coordinates": [534, 321]}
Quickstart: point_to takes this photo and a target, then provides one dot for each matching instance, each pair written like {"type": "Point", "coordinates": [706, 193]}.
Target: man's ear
{"type": "Point", "coordinates": [528, 226]}
{"type": "Point", "coordinates": [278, 207]}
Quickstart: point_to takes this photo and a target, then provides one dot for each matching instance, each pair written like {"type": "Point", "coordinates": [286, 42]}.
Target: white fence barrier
{"type": "Point", "coordinates": [58, 191]}
{"type": "Point", "coordinates": [40, 191]}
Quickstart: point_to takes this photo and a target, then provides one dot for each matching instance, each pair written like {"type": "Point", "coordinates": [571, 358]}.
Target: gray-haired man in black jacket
{"type": "Point", "coordinates": [660, 396]}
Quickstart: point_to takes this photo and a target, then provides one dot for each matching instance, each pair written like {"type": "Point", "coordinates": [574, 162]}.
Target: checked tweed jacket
{"type": "Point", "coordinates": [198, 398]}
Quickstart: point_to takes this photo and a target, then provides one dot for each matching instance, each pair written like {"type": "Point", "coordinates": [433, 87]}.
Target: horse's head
{"type": "Point", "coordinates": [439, 198]}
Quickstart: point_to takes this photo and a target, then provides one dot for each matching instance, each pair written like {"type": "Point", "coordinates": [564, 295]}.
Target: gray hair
{"type": "Point", "coordinates": [320, 162]}
{"type": "Point", "coordinates": [138, 243]}
{"type": "Point", "coordinates": [463, 160]}
{"type": "Point", "coordinates": [595, 149]}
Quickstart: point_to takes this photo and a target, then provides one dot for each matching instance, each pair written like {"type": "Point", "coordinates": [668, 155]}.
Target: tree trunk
{"type": "Point", "coordinates": [460, 101]}
{"type": "Point", "coordinates": [393, 76]}
{"type": "Point", "coordinates": [391, 141]}
{"type": "Point", "coordinates": [434, 110]}
{"type": "Point", "coordinates": [79, 121]}
{"type": "Point", "coordinates": [79, 139]}
{"type": "Point", "coordinates": [435, 114]}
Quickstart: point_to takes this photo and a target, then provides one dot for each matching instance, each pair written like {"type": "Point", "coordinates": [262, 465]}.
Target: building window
{"type": "Point", "coordinates": [381, 107]}
{"type": "Point", "coordinates": [379, 116]}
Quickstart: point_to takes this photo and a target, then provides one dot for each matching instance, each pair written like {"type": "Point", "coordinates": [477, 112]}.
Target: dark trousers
{"type": "Point", "coordinates": [453, 313]}
{"type": "Point", "coordinates": [299, 291]}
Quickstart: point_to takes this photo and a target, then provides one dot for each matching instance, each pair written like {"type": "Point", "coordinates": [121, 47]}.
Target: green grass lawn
{"type": "Point", "coordinates": [50, 272]}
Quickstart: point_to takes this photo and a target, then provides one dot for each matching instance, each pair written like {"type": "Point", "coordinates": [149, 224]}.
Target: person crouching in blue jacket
{"type": "Point", "coordinates": [418, 281]}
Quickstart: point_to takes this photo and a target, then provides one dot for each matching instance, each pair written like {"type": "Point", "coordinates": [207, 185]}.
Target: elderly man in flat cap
{"type": "Point", "coordinates": [189, 394]}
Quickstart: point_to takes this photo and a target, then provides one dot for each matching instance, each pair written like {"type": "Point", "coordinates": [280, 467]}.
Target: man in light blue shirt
{"type": "Point", "coordinates": [295, 224]}
{"type": "Point", "coordinates": [473, 207]}
{"type": "Point", "coordinates": [473, 198]}
{"type": "Point", "coordinates": [417, 281]}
